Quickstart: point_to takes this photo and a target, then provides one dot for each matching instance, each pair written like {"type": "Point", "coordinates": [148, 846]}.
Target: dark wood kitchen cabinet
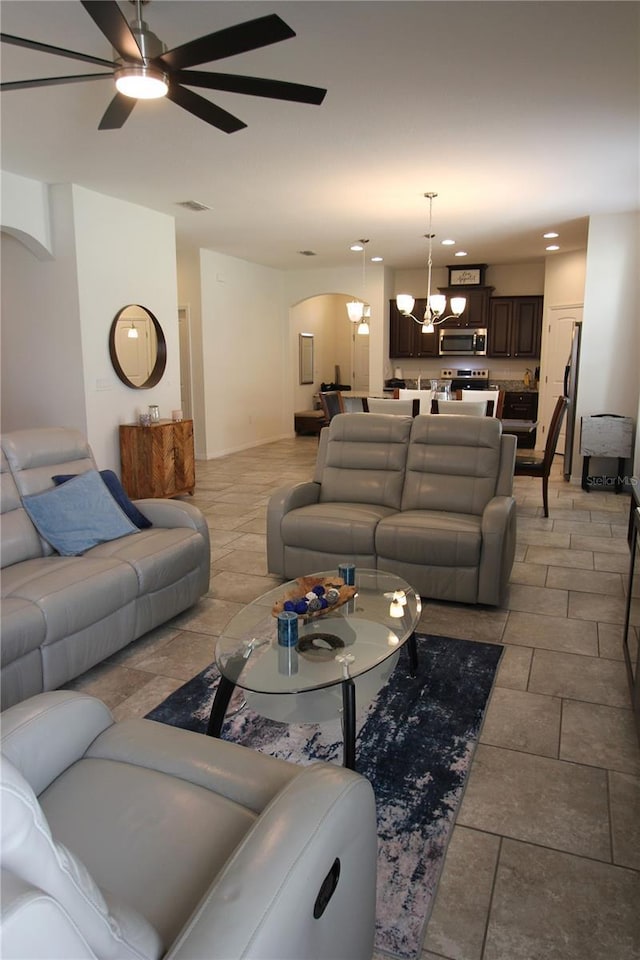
{"type": "Point", "coordinates": [515, 327]}
{"type": "Point", "coordinates": [406, 338]}
{"type": "Point", "coordinates": [476, 311]}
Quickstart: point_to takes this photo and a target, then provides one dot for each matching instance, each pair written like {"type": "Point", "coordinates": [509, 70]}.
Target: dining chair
{"type": "Point", "coordinates": [460, 408]}
{"type": "Point", "coordinates": [423, 397]}
{"type": "Point", "coordinates": [532, 463]}
{"type": "Point", "coordinates": [494, 398]}
{"type": "Point", "coordinates": [332, 403]}
{"type": "Point", "coordinates": [406, 408]}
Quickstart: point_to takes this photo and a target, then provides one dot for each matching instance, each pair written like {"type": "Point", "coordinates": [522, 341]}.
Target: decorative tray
{"type": "Point", "coordinates": [313, 596]}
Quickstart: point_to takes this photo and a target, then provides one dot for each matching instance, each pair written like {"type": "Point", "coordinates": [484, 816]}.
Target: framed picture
{"type": "Point", "coordinates": [305, 345]}
{"type": "Point", "coordinates": [471, 275]}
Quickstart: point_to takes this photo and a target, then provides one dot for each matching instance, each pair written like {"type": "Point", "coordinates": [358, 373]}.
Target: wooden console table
{"type": "Point", "coordinates": [158, 460]}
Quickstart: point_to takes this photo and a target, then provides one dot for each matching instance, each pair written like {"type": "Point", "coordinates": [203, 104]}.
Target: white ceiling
{"type": "Point", "coordinates": [522, 116]}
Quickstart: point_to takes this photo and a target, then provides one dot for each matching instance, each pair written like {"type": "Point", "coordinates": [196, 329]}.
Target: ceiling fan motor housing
{"type": "Point", "coordinates": [150, 45]}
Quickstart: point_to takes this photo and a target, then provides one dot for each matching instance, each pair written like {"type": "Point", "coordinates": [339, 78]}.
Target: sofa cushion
{"type": "Point", "coordinates": [343, 528]}
{"type": "Point", "coordinates": [365, 459]}
{"type": "Point", "coordinates": [23, 628]}
{"type": "Point", "coordinates": [430, 537]}
{"type": "Point", "coordinates": [452, 464]}
{"type": "Point", "coordinates": [20, 540]}
{"type": "Point", "coordinates": [78, 515]}
{"type": "Point", "coordinates": [118, 493]}
{"type": "Point", "coordinates": [158, 556]}
{"type": "Point", "coordinates": [30, 852]}
{"type": "Point", "coordinates": [71, 592]}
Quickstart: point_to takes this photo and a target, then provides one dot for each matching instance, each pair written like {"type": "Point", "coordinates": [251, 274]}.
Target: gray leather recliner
{"type": "Point", "coordinates": [139, 840]}
{"type": "Point", "coordinates": [429, 498]}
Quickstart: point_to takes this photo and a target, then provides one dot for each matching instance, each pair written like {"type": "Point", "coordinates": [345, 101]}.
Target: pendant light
{"type": "Point", "coordinates": [436, 302]}
{"type": "Point", "coordinates": [359, 311]}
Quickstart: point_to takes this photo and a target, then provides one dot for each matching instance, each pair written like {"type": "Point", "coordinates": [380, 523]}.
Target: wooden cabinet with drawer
{"type": "Point", "coordinates": [158, 460]}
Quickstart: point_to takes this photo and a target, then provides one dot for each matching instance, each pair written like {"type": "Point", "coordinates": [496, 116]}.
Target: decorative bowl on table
{"type": "Point", "coordinates": [313, 596]}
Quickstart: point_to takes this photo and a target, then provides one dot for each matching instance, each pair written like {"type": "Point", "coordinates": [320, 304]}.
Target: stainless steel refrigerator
{"type": "Point", "coordinates": [571, 372]}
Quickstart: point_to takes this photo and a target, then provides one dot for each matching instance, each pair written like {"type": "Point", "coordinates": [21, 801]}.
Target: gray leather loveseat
{"type": "Point", "coordinates": [63, 614]}
{"type": "Point", "coordinates": [429, 498]}
{"type": "Point", "coordinates": [140, 841]}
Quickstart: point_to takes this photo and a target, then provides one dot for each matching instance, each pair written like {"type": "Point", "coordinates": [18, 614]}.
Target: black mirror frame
{"type": "Point", "coordinates": [161, 355]}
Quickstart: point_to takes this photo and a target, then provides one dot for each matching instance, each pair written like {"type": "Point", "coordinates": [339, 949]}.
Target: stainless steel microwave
{"type": "Point", "coordinates": [462, 341]}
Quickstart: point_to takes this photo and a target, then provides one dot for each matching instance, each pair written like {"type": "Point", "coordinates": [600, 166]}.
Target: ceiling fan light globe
{"type": "Point", "coordinates": [141, 82]}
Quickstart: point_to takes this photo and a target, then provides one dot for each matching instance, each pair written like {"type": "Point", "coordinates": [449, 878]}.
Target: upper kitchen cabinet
{"type": "Point", "coordinates": [515, 327]}
{"type": "Point", "coordinates": [476, 311]}
{"type": "Point", "coordinates": [406, 338]}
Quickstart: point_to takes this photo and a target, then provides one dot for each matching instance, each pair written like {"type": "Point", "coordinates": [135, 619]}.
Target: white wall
{"type": "Point", "coordinates": [610, 352]}
{"type": "Point", "coordinates": [125, 254]}
{"type": "Point", "coordinates": [190, 295]}
{"type": "Point", "coordinates": [326, 318]}
{"type": "Point", "coordinates": [42, 361]}
{"type": "Point", "coordinates": [247, 376]}
{"type": "Point", "coordinates": [25, 213]}
{"type": "Point", "coordinates": [57, 315]}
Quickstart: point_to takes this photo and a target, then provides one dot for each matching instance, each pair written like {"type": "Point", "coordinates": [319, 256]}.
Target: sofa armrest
{"type": "Point", "coordinates": [173, 513]}
{"type": "Point", "coordinates": [281, 502]}
{"type": "Point", "coordinates": [262, 903]}
{"type": "Point", "coordinates": [498, 549]}
{"type": "Point", "coordinates": [245, 776]}
{"type": "Point", "coordinates": [45, 734]}
{"type": "Point", "coordinates": [36, 927]}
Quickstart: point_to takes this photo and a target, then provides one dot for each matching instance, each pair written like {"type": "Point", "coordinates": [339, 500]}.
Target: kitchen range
{"type": "Point", "coordinates": [465, 379]}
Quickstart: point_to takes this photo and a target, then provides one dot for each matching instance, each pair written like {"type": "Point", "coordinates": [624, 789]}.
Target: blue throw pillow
{"type": "Point", "coordinates": [78, 515]}
{"type": "Point", "coordinates": [118, 493]}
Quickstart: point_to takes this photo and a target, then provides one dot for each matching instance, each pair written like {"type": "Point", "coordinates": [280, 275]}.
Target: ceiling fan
{"type": "Point", "coordinates": [144, 69]}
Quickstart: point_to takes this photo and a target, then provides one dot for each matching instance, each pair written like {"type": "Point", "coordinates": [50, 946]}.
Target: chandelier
{"type": "Point", "coordinates": [436, 302]}
{"type": "Point", "coordinates": [359, 310]}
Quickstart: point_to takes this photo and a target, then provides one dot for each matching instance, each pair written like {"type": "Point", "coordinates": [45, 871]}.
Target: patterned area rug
{"type": "Point", "coordinates": [415, 744]}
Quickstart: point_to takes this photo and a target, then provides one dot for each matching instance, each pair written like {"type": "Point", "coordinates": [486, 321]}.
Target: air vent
{"type": "Point", "coordinates": [194, 205]}
{"type": "Point", "coordinates": [308, 253]}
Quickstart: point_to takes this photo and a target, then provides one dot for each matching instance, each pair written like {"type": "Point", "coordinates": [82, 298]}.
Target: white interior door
{"type": "Point", "coordinates": [184, 330]}
{"type": "Point", "coordinates": [560, 323]}
{"type": "Point", "coordinates": [360, 361]}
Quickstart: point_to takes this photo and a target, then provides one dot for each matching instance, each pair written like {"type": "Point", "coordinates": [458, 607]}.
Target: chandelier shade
{"type": "Point", "coordinates": [359, 311]}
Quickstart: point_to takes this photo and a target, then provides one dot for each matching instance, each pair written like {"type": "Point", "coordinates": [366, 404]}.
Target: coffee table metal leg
{"type": "Point", "coordinates": [219, 707]}
{"type": "Point", "coordinates": [349, 723]}
{"type": "Point", "coordinates": [412, 647]}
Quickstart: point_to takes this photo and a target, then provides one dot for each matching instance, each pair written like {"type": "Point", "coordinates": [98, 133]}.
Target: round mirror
{"type": "Point", "coordinates": [137, 347]}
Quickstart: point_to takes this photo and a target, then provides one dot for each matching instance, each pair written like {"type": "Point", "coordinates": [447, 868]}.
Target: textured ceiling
{"type": "Point", "coordinates": [522, 116]}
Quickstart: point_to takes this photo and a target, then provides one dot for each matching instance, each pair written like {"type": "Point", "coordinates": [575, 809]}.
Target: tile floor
{"type": "Point", "coordinates": [544, 861]}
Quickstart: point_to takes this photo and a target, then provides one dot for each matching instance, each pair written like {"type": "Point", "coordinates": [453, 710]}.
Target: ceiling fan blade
{"type": "Point", "coordinates": [107, 15]}
{"type": "Point", "coordinates": [57, 51]}
{"type": "Point", "coordinates": [52, 81]}
{"type": "Point", "coordinates": [253, 86]}
{"type": "Point", "coordinates": [228, 42]}
{"type": "Point", "coordinates": [204, 109]}
{"type": "Point", "coordinates": [117, 112]}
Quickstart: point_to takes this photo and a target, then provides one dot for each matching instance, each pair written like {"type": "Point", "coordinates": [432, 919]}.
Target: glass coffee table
{"type": "Point", "coordinates": [349, 651]}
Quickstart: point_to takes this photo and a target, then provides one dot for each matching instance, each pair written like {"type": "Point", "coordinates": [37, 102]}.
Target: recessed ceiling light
{"type": "Point", "coordinates": [376, 259]}
{"type": "Point", "coordinates": [549, 236]}
{"type": "Point", "coordinates": [553, 246]}
{"type": "Point", "coordinates": [461, 253]}
{"type": "Point", "coordinates": [448, 243]}
{"type": "Point", "coordinates": [356, 247]}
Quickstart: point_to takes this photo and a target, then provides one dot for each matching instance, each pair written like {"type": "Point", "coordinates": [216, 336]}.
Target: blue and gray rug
{"type": "Point", "coordinates": [415, 744]}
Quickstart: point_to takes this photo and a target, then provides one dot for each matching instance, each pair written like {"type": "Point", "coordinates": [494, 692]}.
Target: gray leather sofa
{"type": "Point", "coordinates": [139, 841]}
{"type": "Point", "coordinates": [61, 615]}
{"type": "Point", "coordinates": [429, 498]}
